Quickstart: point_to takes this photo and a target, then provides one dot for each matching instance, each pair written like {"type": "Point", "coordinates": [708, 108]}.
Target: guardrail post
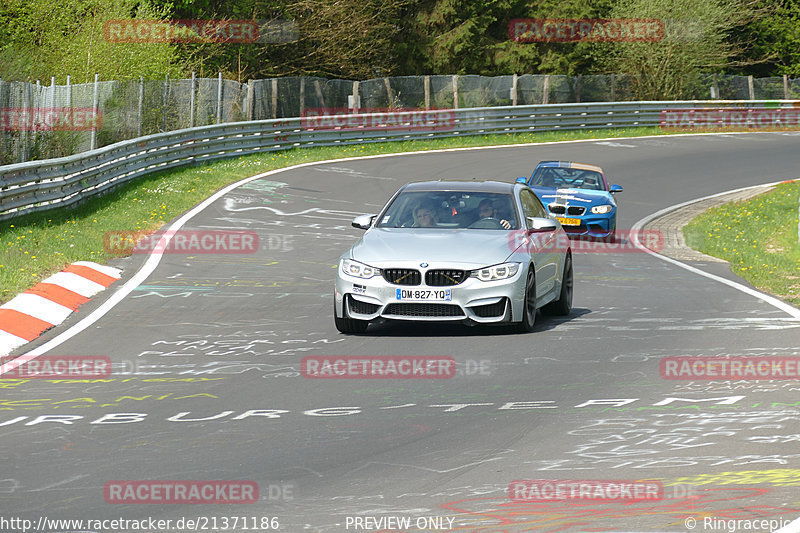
{"type": "Point", "coordinates": [353, 102]}
{"type": "Point", "coordinates": [95, 104]}
{"type": "Point", "coordinates": [69, 90]}
{"type": "Point", "coordinates": [455, 91]}
{"type": "Point", "coordinates": [191, 100]}
{"type": "Point", "coordinates": [750, 87]}
{"type": "Point", "coordinates": [318, 91]}
{"type": "Point", "coordinates": [785, 87]}
{"type": "Point", "coordinates": [613, 88]}
{"type": "Point", "coordinates": [274, 97]}
{"type": "Point", "coordinates": [141, 104]}
{"type": "Point", "coordinates": [250, 99]}
{"type": "Point", "coordinates": [546, 90]}
{"type": "Point", "coordinates": [302, 95]}
{"type": "Point", "coordinates": [164, 104]}
{"type": "Point", "coordinates": [388, 92]}
{"type": "Point", "coordinates": [219, 99]}
{"type": "Point", "coordinates": [427, 84]}
{"type": "Point", "coordinates": [514, 90]}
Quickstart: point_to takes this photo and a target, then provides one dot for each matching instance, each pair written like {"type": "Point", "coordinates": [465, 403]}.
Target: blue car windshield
{"type": "Point", "coordinates": [451, 209]}
{"type": "Point", "coordinates": [567, 178]}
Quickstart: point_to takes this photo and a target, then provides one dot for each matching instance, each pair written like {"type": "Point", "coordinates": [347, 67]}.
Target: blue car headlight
{"type": "Point", "coordinates": [496, 272]}
{"type": "Point", "coordinates": [359, 270]}
{"type": "Point", "coordinates": [602, 209]}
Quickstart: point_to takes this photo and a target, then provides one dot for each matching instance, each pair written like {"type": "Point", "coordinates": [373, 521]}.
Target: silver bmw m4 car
{"type": "Point", "coordinates": [469, 251]}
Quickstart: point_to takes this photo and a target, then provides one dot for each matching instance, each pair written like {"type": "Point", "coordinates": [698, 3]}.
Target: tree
{"type": "Point", "coordinates": [695, 41]}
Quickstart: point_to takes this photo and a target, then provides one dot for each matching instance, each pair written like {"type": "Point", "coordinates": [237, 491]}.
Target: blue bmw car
{"type": "Point", "coordinates": [578, 196]}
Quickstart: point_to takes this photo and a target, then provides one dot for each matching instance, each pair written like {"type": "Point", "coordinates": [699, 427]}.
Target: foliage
{"type": "Point", "coordinates": [44, 38]}
{"type": "Point", "coordinates": [694, 42]}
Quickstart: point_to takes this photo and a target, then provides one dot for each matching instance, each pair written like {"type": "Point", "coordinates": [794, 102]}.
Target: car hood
{"type": "Point", "coordinates": [585, 197]}
{"type": "Point", "coordinates": [466, 248]}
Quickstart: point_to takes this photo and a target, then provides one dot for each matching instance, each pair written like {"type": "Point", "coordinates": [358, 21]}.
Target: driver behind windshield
{"type": "Point", "coordinates": [425, 215]}
{"type": "Point", "coordinates": [486, 209]}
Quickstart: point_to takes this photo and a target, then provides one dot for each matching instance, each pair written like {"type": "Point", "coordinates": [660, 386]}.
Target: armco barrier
{"type": "Point", "coordinates": [39, 185]}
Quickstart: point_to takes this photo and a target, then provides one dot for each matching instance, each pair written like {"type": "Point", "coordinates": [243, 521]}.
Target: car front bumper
{"type": "Point", "coordinates": [471, 301]}
{"type": "Point", "coordinates": [598, 226]}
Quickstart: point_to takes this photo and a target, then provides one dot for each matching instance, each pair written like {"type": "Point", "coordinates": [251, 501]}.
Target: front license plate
{"type": "Point", "coordinates": [569, 221]}
{"type": "Point", "coordinates": [423, 295]}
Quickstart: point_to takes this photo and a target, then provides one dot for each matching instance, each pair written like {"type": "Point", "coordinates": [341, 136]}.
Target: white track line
{"type": "Point", "coordinates": [155, 257]}
{"type": "Point", "coordinates": [771, 300]}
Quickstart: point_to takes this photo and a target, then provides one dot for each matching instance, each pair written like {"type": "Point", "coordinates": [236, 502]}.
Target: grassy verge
{"type": "Point", "coordinates": [758, 237]}
{"type": "Point", "coordinates": [34, 246]}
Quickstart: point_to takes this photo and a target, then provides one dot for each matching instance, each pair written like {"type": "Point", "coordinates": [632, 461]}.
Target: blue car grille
{"type": "Point", "coordinates": [575, 210]}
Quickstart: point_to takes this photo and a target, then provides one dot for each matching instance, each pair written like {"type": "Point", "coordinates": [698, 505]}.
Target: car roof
{"type": "Point", "coordinates": [463, 185]}
{"type": "Point", "coordinates": [570, 164]}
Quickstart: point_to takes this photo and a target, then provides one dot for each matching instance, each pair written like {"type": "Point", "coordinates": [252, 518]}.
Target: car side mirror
{"type": "Point", "coordinates": [363, 221]}
{"type": "Point", "coordinates": [615, 188]}
{"type": "Point", "coordinates": [522, 179]}
{"type": "Point", "coordinates": [540, 224]}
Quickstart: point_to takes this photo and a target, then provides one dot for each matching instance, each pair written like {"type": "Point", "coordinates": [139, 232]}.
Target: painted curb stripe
{"type": "Point", "coordinates": [115, 273]}
{"type": "Point", "coordinates": [38, 307]}
{"type": "Point", "coordinates": [90, 274]}
{"type": "Point", "coordinates": [49, 303]}
{"type": "Point", "coordinates": [58, 294]}
{"type": "Point", "coordinates": [75, 283]}
{"type": "Point", "coordinates": [9, 342]}
{"type": "Point", "coordinates": [22, 325]}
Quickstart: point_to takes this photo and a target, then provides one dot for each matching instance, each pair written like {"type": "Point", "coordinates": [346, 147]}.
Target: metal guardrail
{"type": "Point", "coordinates": [40, 185]}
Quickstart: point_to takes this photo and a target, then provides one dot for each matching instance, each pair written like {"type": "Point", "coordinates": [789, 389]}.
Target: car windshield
{"type": "Point", "coordinates": [451, 209]}
{"type": "Point", "coordinates": [568, 178]}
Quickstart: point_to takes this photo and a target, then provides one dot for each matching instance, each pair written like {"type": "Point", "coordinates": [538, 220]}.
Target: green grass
{"type": "Point", "coordinates": [34, 246]}
{"type": "Point", "coordinates": [758, 237]}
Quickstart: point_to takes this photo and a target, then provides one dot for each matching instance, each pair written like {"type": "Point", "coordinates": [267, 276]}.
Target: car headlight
{"type": "Point", "coordinates": [602, 209]}
{"type": "Point", "coordinates": [359, 270]}
{"type": "Point", "coordinates": [496, 272]}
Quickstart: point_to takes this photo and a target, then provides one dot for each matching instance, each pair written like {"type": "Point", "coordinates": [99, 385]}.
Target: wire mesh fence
{"type": "Point", "coordinates": [41, 122]}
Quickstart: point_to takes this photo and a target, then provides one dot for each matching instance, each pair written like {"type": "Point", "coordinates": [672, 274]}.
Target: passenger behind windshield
{"type": "Point", "coordinates": [486, 209]}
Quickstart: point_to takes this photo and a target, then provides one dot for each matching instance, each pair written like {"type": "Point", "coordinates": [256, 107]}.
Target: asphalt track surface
{"type": "Point", "coordinates": [207, 339]}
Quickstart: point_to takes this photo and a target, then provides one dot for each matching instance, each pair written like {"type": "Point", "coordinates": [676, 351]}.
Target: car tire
{"type": "Point", "coordinates": [528, 304]}
{"type": "Point", "coordinates": [563, 305]}
{"type": "Point", "coordinates": [346, 324]}
{"type": "Point", "coordinates": [612, 235]}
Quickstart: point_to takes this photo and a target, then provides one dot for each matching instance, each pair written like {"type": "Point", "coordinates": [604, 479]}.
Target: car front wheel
{"type": "Point", "coordinates": [346, 324]}
{"type": "Point", "coordinates": [529, 304]}
{"type": "Point", "coordinates": [563, 305]}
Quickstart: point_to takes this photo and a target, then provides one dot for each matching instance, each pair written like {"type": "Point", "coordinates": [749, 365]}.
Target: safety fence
{"type": "Point", "coordinates": [40, 185]}
{"type": "Point", "coordinates": [122, 110]}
